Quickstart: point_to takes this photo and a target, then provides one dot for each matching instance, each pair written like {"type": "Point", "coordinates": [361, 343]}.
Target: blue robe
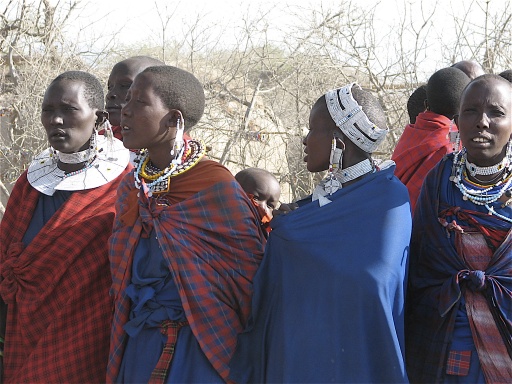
{"type": "Point", "coordinates": [436, 318]}
{"type": "Point", "coordinates": [155, 298]}
{"type": "Point", "coordinates": [328, 304]}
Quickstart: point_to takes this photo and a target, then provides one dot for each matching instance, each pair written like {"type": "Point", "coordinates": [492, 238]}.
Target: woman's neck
{"type": "Point", "coordinates": [161, 156]}
{"type": "Point", "coordinates": [68, 168]}
{"type": "Point", "coordinates": [351, 158]}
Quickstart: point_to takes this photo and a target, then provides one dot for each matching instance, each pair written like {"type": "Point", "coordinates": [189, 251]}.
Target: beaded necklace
{"type": "Point", "coordinates": [85, 168]}
{"type": "Point", "coordinates": [86, 156]}
{"type": "Point", "coordinates": [476, 193]}
{"type": "Point", "coordinates": [474, 169]}
{"type": "Point", "coordinates": [189, 156]}
{"type": "Point", "coordinates": [149, 172]}
{"type": "Point", "coordinates": [326, 186]}
{"type": "Point", "coordinates": [353, 172]}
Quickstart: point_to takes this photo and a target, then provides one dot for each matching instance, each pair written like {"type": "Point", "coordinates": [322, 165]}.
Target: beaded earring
{"type": "Point", "coordinates": [332, 184]}
{"type": "Point", "coordinates": [109, 135]}
{"type": "Point", "coordinates": [178, 140]}
{"type": "Point", "coordinates": [454, 137]}
{"type": "Point", "coordinates": [107, 128]}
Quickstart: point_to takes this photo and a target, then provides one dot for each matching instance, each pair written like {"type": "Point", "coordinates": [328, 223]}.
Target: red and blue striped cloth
{"type": "Point", "coordinates": [213, 244]}
{"type": "Point", "coordinates": [57, 287]}
{"type": "Point", "coordinates": [421, 146]}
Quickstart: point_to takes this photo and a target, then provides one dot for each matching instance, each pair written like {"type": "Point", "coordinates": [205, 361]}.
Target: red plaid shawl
{"type": "Point", "coordinates": [421, 146]}
{"type": "Point", "coordinates": [59, 310]}
{"type": "Point", "coordinates": [213, 243]}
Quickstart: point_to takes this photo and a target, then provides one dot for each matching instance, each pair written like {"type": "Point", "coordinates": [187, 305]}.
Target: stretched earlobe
{"type": "Point", "coordinates": [101, 117]}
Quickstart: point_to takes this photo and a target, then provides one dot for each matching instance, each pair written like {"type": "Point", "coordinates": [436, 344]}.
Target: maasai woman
{"type": "Point", "coordinates": [186, 243]}
{"type": "Point", "coordinates": [55, 276]}
{"type": "Point", "coordinates": [119, 81]}
{"type": "Point", "coordinates": [459, 311]}
{"type": "Point", "coordinates": [329, 295]}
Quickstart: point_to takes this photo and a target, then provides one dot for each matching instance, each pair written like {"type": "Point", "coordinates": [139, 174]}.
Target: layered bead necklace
{"type": "Point", "coordinates": [482, 194]}
{"type": "Point", "coordinates": [86, 156]}
{"type": "Point", "coordinates": [159, 180]}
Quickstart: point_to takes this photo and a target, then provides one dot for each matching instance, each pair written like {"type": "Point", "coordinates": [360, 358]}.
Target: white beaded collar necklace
{"type": "Point", "coordinates": [110, 160]}
{"type": "Point", "coordinates": [328, 186]}
{"type": "Point", "coordinates": [474, 169]}
{"type": "Point", "coordinates": [77, 157]}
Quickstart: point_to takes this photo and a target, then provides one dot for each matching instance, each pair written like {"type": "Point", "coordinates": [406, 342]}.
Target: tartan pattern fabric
{"type": "Point", "coordinates": [213, 244]}
{"type": "Point", "coordinates": [458, 363]}
{"type": "Point", "coordinates": [171, 329]}
{"type": "Point", "coordinates": [59, 311]}
{"type": "Point", "coordinates": [421, 146]}
{"type": "Point", "coordinates": [495, 362]}
{"type": "Point", "coordinates": [436, 273]}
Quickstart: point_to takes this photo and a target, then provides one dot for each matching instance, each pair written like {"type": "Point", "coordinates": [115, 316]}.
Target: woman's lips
{"type": "Point", "coordinates": [58, 134]}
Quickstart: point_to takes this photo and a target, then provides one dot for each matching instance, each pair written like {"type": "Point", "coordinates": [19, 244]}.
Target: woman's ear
{"type": "Point", "coordinates": [101, 116]}
{"type": "Point", "coordinates": [173, 117]}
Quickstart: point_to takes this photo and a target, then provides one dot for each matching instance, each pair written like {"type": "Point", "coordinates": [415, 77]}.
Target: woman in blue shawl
{"type": "Point", "coordinates": [329, 295]}
{"type": "Point", "coordinates": [459, 302]}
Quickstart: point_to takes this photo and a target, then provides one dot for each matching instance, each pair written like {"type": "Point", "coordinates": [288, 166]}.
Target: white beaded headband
{"type": "Point", "coordinates": [351, 119]}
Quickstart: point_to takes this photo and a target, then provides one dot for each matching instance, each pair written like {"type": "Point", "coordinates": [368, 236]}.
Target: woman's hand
{"type": "Point", "coordinates": [285, 208]}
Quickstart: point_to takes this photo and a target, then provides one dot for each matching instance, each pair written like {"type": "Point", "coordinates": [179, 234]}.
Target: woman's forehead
{"type": "Point", "coordinates": [482, 89]}
{"type": "Point", "coordinates": [65, 88]}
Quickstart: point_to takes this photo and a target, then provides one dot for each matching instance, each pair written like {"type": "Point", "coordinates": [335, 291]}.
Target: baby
{"type": "Point", "coordinates": [264, 191]}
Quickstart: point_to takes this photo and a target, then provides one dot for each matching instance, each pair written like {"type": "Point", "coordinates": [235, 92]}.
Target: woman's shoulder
{"type": "Point", "coordinates": [207, 172]}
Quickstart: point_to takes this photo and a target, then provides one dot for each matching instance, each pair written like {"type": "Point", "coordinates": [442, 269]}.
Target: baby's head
{"type": "Point", "coordinates": [262, 188]}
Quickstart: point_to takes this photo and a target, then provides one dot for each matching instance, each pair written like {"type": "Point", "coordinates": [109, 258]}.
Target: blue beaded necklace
{"type": "Point", "coordinates": [480, 195]}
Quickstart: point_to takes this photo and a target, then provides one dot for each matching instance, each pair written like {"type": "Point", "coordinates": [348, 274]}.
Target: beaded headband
{"type": "Point", "coordinates": [351, 119]}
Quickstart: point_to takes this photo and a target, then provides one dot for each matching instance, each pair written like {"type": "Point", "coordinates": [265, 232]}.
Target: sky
{"type": "Point", "coordinates": [106, 25]}
{"type": "Point", "coordinates": [133, 21]}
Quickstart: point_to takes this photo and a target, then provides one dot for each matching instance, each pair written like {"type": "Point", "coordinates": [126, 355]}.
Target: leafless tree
{"type": "Point", "coordinates": [260, 77]}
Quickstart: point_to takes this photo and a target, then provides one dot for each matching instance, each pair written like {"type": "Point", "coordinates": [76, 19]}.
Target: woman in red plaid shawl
{"type": "Point", "coordinates": [186, 243]}
{"type": "Point", "coordinates": [459, 302]}
{"type": "Point", "coordinates": [54, 243]}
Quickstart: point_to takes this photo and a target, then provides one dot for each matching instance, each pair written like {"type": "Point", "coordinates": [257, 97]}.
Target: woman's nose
{"type": "Point", "coordinates": [111, 95]}
{"type": "Point", "coordinates": [56, 119]}
{"type": "Point", "coordinates": [483, 121]}
{"type": "Point", "coordinates": [125, 110]}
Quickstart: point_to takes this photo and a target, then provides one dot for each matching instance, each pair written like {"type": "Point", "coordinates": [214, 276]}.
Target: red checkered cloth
{"type": "Point", "coordinates": [59, 310]}
{"type": "Point", "coordinates": [458, 363]}
{"type": "Point", "coordinates": [420, 147]}
{"type": "Point", "coordinates": [213, 244]}
{"type": "Point", "coordinates": [169, 328]}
